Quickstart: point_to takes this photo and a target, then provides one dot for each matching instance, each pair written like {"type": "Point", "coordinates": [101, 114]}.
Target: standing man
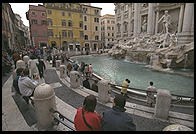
{"type": "Point", "coordinates": [125, 85]}
{"type": "Point", "coordinates": [41, 67]}
{"type": "Point", "coordinates": [116, 119]}
{"type": "Point", "coordinates": [150, 94]}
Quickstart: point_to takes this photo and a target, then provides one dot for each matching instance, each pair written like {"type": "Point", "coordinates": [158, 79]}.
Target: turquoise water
{"type": "Point", "coordinates": [118, 70]}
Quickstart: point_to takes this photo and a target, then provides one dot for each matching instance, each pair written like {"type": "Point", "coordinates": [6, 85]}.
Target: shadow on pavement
{"type": "Point", "coordinates": [26, 109]}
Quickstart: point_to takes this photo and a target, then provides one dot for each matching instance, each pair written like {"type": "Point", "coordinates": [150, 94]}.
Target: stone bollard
{"type": "Point", "coordinates": [44, 100]}
{"type": "Point", "coordinates": [58, 63]}
{"type": "Point", "coordinates": [177, 127]}
{"type": "Point", "coordinates": [62, 71]}
{"type": "Point", "coordinates": [103, 91]}
{"type": "Point", "coordinates": [162, 106]}
{"type": "Point", "coordinates": [74, 79]}
{"type": "Point", "coordinates": [20, 64]}
{"type": "Point", "coordinates": [26, 59]}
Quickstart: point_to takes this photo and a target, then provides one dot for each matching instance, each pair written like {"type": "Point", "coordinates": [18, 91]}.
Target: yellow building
{"type": "Point", "coordinates": [65, 25]}
{"type": "Point", "coordinates": [92, 27]}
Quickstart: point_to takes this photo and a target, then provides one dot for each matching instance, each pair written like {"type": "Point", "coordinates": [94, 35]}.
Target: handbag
{"type": "Point", "coordinates": [89, 126]}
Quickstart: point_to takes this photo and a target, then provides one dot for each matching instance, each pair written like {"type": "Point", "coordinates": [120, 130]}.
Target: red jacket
{"type": "Point", "coordinates": [92, 118]}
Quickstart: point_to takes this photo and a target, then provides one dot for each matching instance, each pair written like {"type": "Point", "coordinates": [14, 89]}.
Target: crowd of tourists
{"type": "Point", "coordinates": [86, 118]}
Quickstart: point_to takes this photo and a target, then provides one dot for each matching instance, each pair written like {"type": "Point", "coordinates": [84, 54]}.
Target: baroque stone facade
{"type": "Point", "coordinates": [133, 19]}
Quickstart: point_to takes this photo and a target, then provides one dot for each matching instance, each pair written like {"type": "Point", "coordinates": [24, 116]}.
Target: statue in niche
{"type": "Point", "coordinates": [144, 25]}
{"type": "Point", "coordinates": [166, 19]}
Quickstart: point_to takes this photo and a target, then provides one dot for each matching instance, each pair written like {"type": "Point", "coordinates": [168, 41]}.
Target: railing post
{"type": "Point", "coordinates": [62, 71]}
{"type": "Point", "coordinates": [74, 79]}
{"type": "Point", "coordinates": [162, 106]}
{"type": "Point", "coordinates": [44, 100]}
{"type": "Point", "coordinates": [103, 91]}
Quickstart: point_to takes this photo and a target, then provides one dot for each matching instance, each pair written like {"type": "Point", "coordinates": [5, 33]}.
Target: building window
{"type": "Point", "coordinates": [44, 22]}
{"type": "Point", "coordinates": [63, 13]}
{"type": "Point", "coordinates": [112, 34]}
{"type": "Point", "coordinates": [33, 13]}
{"type": "Point", "coordinates": [63, 23]}
{"type": "Point", "coordinates": [35, 33]}
{"type": "Point", "coordinates": [112, 28]}
{"type": "Point", "coordinates": [108, 21]}
{"type": "Point", "coordinates": [44, 33]}
{"type": "Point", "coordinates": [125, 26]}
{"type": "Point", "coordinates": [70, 23]}
{"type": "Point", "coordinates": [34, 21]}
{"type": "Point", "coordinates": [70, 34]}
{"type": "Point", "coordinates": [118, 27]}
{"type": "Point", "coordinates": [96, 28]}
{"type": "Point", "coordinates": [86, 37]}
{"type": "Point", "coordinates": [96, 37]}
{"type": "Point", "coordinates": [69, 14]}
{"type": "Point", "coordinates": [108, 39]}
{"type": "Point", "coordinates": [108, 28]}
{"type": "Point", "coordinates": [50, 32]}
{"type": "Point", "coordinates": [103, 28]}
{"type": "Point", "coordinates": [113, 22]}
{"type": "Point", "coordinates": [43, 14]}
{"type": "Point", "coordinates": [85, 18]}
{"type": "Point", "coordinates": [85, 27]}
{"type": "Point", "coordinates": [96, 19]}
{"type": "Point", "coordinates": [80, 15]}
{"type": "Point", "coordinates": [49, 22]}
{"type": "Point", "coordinates": [81, 34]}
{"type": "Point", "coordinates": [96, 12]}
{"type": "Point", "coordinates": [85, 10]}
{"type": "Point", "coordinates": [81, 24]}
{"type": "Point", "coordinates": [49, 12]}
{"type": "Point", "coordinates": [64, 33]}
{"type": "Point", "coordinates": [108, 34]}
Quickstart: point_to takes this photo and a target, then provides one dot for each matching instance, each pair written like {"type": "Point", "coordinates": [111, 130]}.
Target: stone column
{"type": "Point", "coordinates": [157, 19]}
{"type": "Point", "coordinates": [137, 19]}
{"type": "Point", "coordinates": [162, 106]}
{"type": "Point", "coordinates": [188, 17]}
{"type": "Point", "coordinates": [156, 25]}
{"type": "Point", "coordinates": [103, 91]}
{"type": "Point", "coordinates": [151, 16]}
{"type": "Point", "coordinates": [180, 18]}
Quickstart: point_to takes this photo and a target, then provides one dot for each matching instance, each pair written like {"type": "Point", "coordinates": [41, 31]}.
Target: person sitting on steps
{"type": "Point", "coordinates": [27, 86]}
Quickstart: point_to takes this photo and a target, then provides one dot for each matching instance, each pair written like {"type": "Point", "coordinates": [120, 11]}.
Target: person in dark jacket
{"type": "Point", "coordinates": [116, 119]}
{"type": "Point", "coordinates": [86, 84]}
{"type": "Point", "coordinates": [15, 81]}
{"type": "Point", "coordinates": [41, 67]}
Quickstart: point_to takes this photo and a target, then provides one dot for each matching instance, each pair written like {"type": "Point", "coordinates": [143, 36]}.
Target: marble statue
{"type": "Point", "coordinates": [166, 19]}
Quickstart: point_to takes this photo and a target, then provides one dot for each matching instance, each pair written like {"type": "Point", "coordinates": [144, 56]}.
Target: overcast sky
{"type": "Point", "coordinates": [22, 8]}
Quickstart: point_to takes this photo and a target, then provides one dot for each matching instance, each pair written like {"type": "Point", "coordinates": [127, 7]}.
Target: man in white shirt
{"type": "Point", "coordinates": [26, 85]}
